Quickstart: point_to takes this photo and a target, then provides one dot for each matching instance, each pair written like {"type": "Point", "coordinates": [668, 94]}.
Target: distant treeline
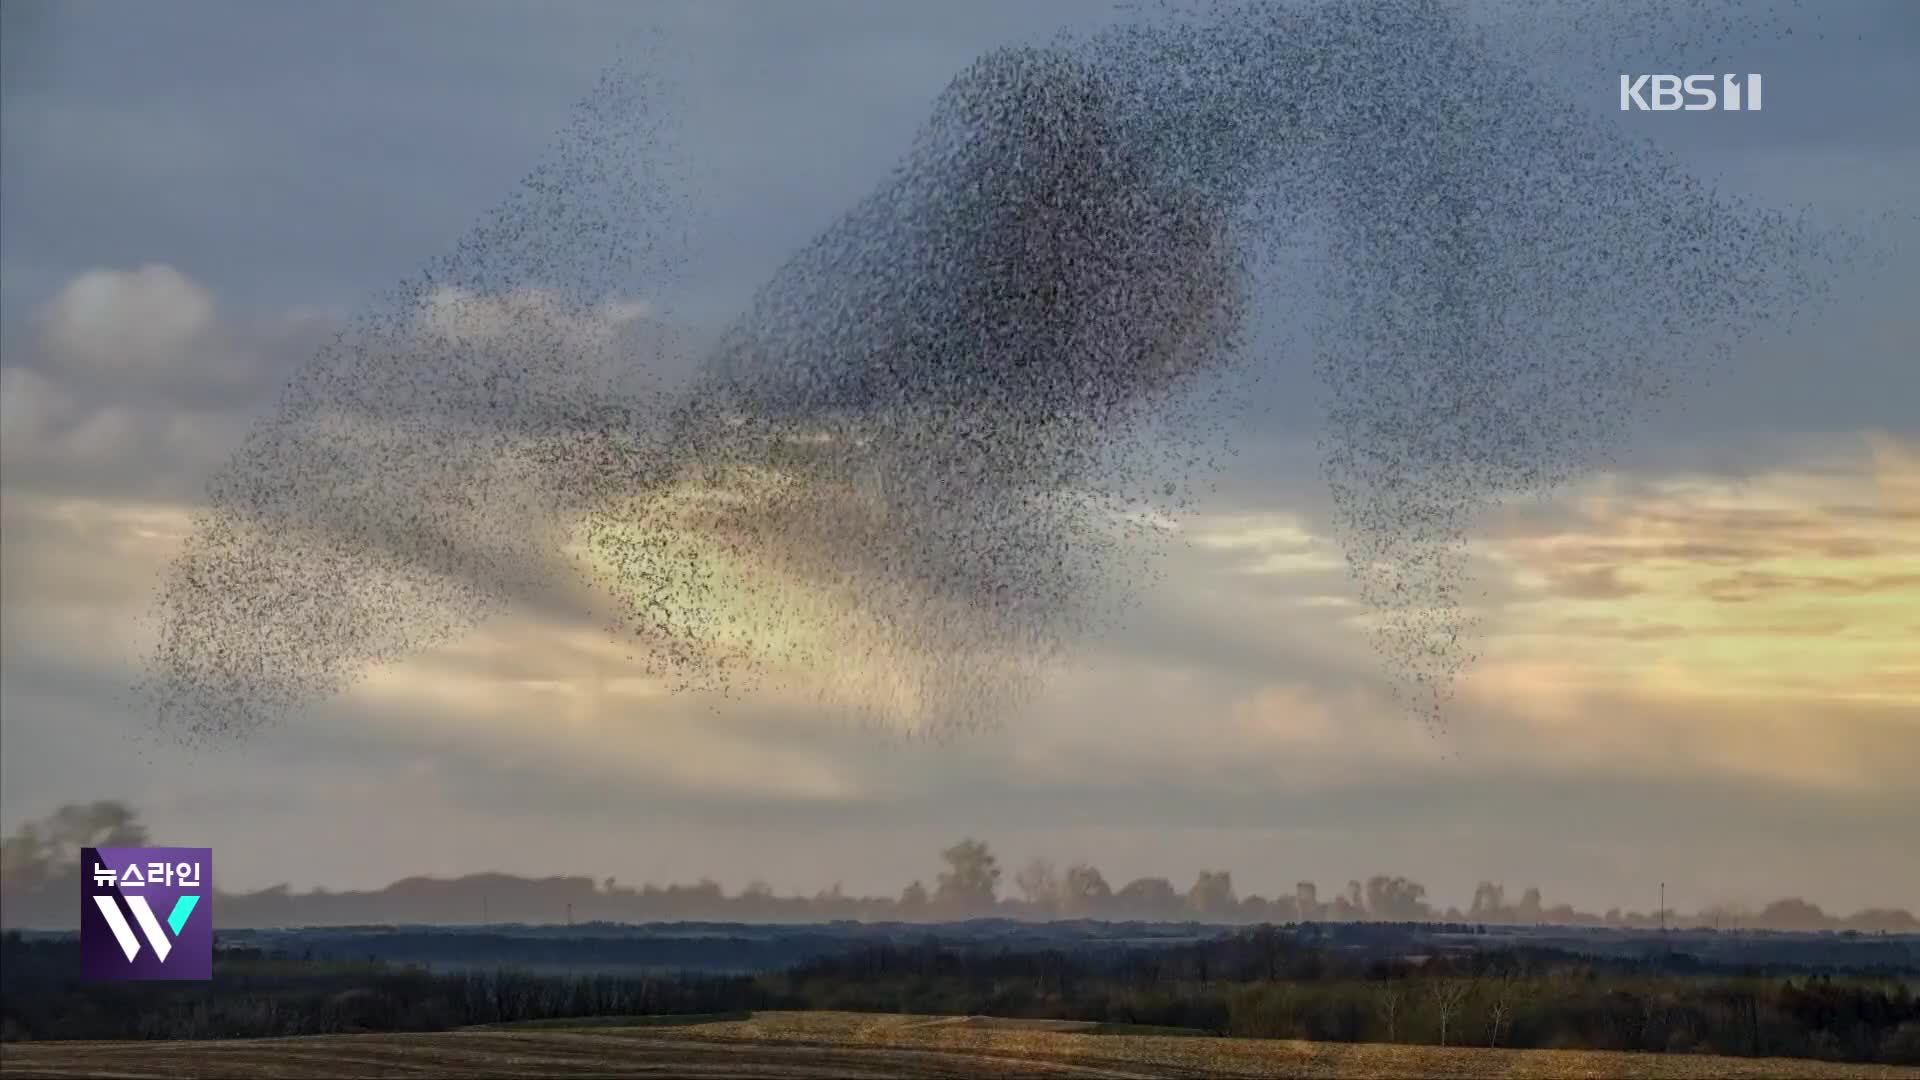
{"type": "Point", "coordinates": [1261, 982]}
{"type": "Point", "coordinates": [39, 883]}
{"type": "Point", "coordinates": [762, 948]}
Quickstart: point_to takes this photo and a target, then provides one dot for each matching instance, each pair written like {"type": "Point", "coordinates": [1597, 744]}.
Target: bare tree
{"type": "Point", "coordinates": [1392, 997]}
{"type": "Point", "coordinates": [1448, 995]}
{"type": "Point", "coordinates": [1500, 1009]}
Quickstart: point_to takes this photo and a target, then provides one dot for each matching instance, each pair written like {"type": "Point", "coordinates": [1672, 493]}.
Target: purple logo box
{"type": "Point", "coordinates": [146, 913]}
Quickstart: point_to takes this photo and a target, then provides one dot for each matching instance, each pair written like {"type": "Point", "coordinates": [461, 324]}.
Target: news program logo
{"type": "Point", "coordinates": [1693, 93]}
{"type": "Point", "coordinates": [144, 913]}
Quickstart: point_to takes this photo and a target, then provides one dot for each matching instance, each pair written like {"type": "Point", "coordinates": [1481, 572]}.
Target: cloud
{"type": "Point", "coordinates": [131, 324]}
{"type": "Point", "coordinates": [1593, 583]}
{"type": "Point", "coordinates": [451, 315]}
{"type": "Point", "coordinates": [131, 382]}
{"type": "Point", "coordinates": [1269, 544]}
{"type": "Point", "coordinates": [57, 438]}
{"type": "Point", "coordinates": [1794, 583]}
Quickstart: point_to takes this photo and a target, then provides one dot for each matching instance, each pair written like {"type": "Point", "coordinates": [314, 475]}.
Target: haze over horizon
{"type": "Point", "coordinates": [1697, 664]}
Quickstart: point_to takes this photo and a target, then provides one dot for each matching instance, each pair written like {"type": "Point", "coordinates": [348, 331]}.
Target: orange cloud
{"type": "Point", "coordinates": [1798, 584]}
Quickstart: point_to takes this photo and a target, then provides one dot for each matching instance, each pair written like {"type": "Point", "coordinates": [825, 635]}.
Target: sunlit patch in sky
{"type": "Point", "coordinates": [1796, 585]}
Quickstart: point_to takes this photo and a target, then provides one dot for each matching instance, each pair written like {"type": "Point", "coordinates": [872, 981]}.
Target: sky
{"type": "Point", "coordinates": [1698, 664]}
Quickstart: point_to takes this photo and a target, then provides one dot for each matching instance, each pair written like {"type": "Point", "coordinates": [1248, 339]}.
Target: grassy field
{"type": "Point", "coordinates": [853, 1045]}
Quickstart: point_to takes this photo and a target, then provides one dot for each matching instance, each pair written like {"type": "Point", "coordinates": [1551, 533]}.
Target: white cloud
{"type": "Point", "coordinates": [138, 323]}
{"type": "Point", "coordinates": [55, 436]}
{"type": "Point", "coordinates": [134, 382]}
{"type": "Point", "coordinates": [1270, 543]}
{"type": "Point", "coordinates": [30, 405]}
{"type": "Point", "coordinates": [453, 314]}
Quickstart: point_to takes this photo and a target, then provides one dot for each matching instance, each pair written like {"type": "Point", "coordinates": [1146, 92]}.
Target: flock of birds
{"type": "Point", "coordinates": [944, 440]}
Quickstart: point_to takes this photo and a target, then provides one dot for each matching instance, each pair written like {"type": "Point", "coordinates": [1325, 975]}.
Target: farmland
{"type": "Point", "coordinates": [812, 1044]}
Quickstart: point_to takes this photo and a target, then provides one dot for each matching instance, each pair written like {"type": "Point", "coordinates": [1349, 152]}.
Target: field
{"type": "Point", "coordinates": [815, 1044]}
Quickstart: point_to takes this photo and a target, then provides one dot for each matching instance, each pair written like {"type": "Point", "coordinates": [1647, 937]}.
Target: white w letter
{"type": "Point", "coordinates": [151, 925]}
{"type": "Point", "coordinates": [118, 922]}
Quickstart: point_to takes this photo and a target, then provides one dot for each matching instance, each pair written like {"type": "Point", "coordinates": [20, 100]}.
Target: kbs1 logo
{"type": "Point", "coordinates": [144, 913]}
{"type": "Point", "coordinates": [1693, 93]}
